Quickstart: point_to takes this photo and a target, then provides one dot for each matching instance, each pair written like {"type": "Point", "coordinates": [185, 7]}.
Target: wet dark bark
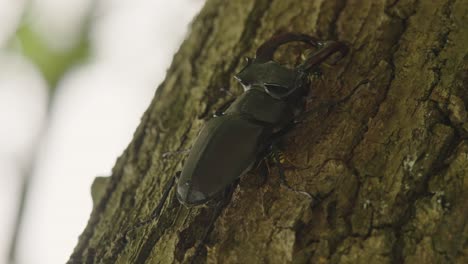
{"type": "Point", "coordinates": [390, 161]}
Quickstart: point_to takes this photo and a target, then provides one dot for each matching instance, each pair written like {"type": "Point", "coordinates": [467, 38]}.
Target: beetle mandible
{"type": "Point", "coordinates": [231, 143]}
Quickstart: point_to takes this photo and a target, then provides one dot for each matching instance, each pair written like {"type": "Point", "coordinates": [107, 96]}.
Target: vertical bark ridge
{"type": "Point", "coordinates": [389, 161]}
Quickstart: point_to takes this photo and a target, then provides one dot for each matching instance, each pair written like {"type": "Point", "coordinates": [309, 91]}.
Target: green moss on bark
{"type": "Point", "coordinates": [390, 161]}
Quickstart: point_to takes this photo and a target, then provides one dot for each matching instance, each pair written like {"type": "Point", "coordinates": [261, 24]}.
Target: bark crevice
{"type": "Point", "coordinates": [390, 156]}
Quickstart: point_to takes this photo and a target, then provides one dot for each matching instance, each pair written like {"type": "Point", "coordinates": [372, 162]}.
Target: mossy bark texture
{"type": "Point", "coordinates": [390, 161]}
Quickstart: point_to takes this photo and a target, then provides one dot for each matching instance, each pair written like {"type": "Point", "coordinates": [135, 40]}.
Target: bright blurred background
{"type": "Point", "coordinates": [75, 78]}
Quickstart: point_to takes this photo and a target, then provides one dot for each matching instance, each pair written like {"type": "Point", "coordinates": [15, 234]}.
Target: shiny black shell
{"type": "Point", "coordinates": [229, 145]}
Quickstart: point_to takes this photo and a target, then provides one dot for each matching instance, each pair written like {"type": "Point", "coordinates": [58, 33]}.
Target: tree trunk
{"type": "Point", "coordinates": [390, 162]}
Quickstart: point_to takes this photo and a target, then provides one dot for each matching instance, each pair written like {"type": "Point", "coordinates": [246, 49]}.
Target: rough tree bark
{"type": "Point", "coordinates": [390, 161]}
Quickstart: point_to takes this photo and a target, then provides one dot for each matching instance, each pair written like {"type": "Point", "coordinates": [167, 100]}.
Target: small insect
{"type": "Point", "coordinates": [241, 135]}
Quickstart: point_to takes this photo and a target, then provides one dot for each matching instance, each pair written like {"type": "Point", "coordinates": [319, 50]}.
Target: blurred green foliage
{"type": "Point", "coordinates": [52, 63]}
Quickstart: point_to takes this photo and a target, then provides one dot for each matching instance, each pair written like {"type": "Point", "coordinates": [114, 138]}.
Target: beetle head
{"type": "Point", "coordinates": [275, 79]}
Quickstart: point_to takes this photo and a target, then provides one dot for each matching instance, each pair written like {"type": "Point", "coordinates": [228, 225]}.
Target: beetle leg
{"type": "Point", "coordinates": [317, 72]}
{"type": "Point", "coordinates": [282, 158]}
{"type": "Point", "coordinates": [207, 232]}
{"type": "Point", "coordinates": [265, 170]}
{"type": "Point", "coordinates": [266, 51]}
{"type": "Point", "coordinates": [303, 117]}
{"type": "Point", "coordinates": [177, 215]}
{"type": "Point", "coordinates": [283, 180]}
{"type": "Point", "coordinates": [320, 107]}
{"type": "Point", "coordinates": [224, 90]}
{"type": "Point", "coordinates": [156, 212]}
{"type": "Point", "coordinates": [173, 153]}
{"type": "Point", "coordinates": [223, 107]}
{"type": "Point", "coordinates": [165, 194]}
{"type": "Point", "coordinates": [216, 213]}
{"type": "Point", "coordinates": [330, 104]}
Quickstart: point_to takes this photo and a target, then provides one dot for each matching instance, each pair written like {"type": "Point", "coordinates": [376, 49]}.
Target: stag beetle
{"type": "Point", "coordinates": [231, 143]}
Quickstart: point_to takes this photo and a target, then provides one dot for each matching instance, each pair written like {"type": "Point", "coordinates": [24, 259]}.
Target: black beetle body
{"type": "Point", "coordinates": [229, 145]}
